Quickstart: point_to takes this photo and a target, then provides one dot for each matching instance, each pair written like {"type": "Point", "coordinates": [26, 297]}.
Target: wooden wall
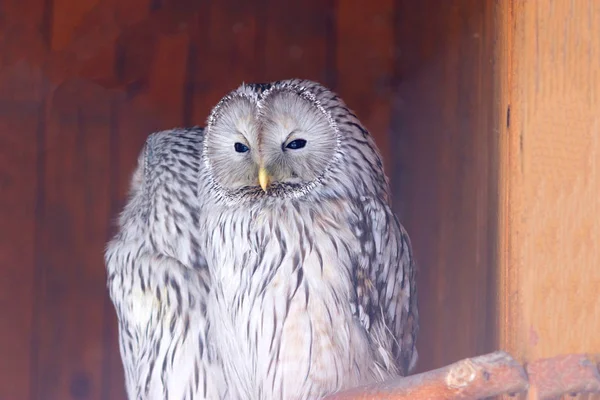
{"type": "Point", "coordinates": [82, 83]}
{"type": "Point", "coordinates": [445, 170]}
{"type": "Point", "coordinates": [549, 269]}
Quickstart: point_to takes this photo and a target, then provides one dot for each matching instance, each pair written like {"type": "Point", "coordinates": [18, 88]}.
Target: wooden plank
{"type": "Point", "coordinates": [20, 111]}
{"type": "Point", "coordinates": [296, 40]}
{"type": "Point", "coordinates": [23, 29]}
{"type": "Point", "coordinates": [443, 162]}
{"type": "Point", "coordinates": [166, 80]}
{"type": "Point", "coordinates": [67, 16]}
{"type": "Point", "coordinates": [130, 12]}
{"type": "Point", "coordinates": [75, 213]}
{"type": "Point", "coordinates": [21, 92]}
{"type": "Point", "coordinates": [226, 40]}
{"type": "Point", "coordinates": [365, 50]}
{"type": "Point", "coordinates": [550, 158]}
{"type": "Point", "coordinates": [135, 51]}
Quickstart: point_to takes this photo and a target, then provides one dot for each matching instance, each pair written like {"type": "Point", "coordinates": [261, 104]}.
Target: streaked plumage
{"type": "Point", "coordinates": [309, 283]}
{"type": "Point", "coordinates": [157, 277]}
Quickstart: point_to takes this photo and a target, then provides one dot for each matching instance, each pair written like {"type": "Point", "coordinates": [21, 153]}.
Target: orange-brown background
{"type": "Point", "coordinates": [83, 82]}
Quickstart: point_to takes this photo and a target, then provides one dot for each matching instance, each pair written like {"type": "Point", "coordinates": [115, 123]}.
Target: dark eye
{"type": "Point", "coordinates": [240, 147]}
{"type": "Point", "coordinates": [296, 144]}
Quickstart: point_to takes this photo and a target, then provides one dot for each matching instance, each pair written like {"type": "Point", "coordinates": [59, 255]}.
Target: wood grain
{"type": "Point", "coordinates": [444, 171]}
{"type": "Point", "coordinates": [297, 41]}
{"type": "Point", "coordinates": [20, 115]}
{"type": "Point", "coordinates": [22, 87]}
{"type": "Point", "coordinates": [82, 85]}
{"type": "Point", "coordinates": [75, 213]}
{"type": "Point", "coordinates": [550, 155]}
{"type": "Point", "coordinates": [67, 17]}
{"type": "Point", "coordinates": [368, 31]}
{"type": "Point", "coordinates": [223, 54]}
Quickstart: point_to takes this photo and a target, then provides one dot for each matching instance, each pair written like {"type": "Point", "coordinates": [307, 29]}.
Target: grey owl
{"type": "Point", "coordinates": [259, 258]}
{"type": "Point", "coordinates": [313, 286]}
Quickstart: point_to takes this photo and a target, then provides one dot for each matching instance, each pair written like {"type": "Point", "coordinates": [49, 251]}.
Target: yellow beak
{"type": "Point", "coordinates": [263, 178]}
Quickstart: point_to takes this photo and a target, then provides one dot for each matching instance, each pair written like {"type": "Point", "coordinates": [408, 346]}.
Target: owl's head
{"type": "Point", "coordinates": [274, 139]}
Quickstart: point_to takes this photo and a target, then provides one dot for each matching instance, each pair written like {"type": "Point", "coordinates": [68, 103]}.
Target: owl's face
{"type": "Point", "coordinates": [269, 142]}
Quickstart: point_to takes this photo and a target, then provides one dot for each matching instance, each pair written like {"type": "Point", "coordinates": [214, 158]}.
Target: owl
{"type": "Point", "coordinates": [313, 278]}
{"type": "Point", "coordinates": [259, 258]}
{"type": "Point", "coordinates": [158, 280]}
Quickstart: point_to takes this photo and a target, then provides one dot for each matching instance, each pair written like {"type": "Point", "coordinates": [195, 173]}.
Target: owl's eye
{"type": "Point", "coordinates": [240, 147]}
{"type": "Point", "coordinates": [296, 144]}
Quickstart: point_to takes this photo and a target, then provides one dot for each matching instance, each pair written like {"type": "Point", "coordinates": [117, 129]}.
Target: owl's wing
{"type": "Point", "coordinates": [385, 285]}
{"type": "Point", "coordinates": [157, 277]}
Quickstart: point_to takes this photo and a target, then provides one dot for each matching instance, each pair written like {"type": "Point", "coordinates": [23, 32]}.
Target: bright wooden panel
{"type": "Point", "coordinates": [550, 157]}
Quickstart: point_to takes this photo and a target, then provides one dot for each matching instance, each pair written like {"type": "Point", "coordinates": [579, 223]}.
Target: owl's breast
{"type": "Point", "coordinates": [285, 290]}
{"type": "Point", "coordinates": [283, 247]}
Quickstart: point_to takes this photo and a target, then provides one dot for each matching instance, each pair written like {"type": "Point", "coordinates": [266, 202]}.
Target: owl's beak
{"type": "Point", "coordinates": [263, 178]}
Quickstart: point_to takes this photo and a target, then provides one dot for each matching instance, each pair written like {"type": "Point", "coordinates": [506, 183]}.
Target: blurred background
{"type": "Point", "coordinates": [84, 82]}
